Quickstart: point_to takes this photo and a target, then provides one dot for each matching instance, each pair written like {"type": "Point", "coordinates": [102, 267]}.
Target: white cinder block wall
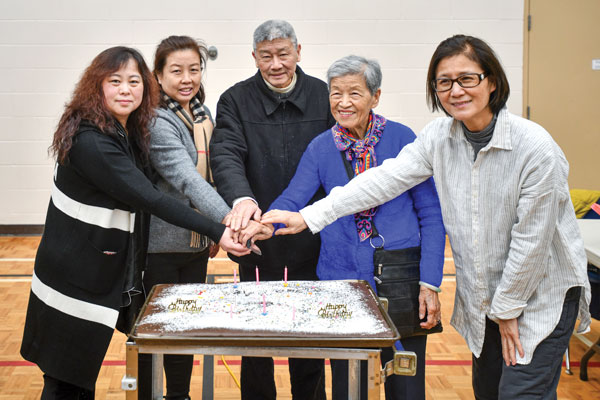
{"type": "Point", "coordinates": [45, 45]}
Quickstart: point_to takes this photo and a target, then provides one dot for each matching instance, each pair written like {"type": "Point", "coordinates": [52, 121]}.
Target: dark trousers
{"type": "Point", "coordinates": [492, 379]}
{"type": "Point", "coordinates": [397, 387]}
{"type": "Point", "coordinates": [171, 268]}
{"type": "Point", "coordinates": [307, 376]}
{"type": "Point", "coordinates": [59, 390]}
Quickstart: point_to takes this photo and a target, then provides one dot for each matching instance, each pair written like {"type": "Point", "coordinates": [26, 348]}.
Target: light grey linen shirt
{"type": "Point", "coordinates": [174, 156]}
{"type": "Point", "coordinates": [508, 215]}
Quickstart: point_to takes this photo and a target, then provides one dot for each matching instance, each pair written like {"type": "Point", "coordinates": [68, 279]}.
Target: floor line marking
{"type": "Point", "coordinates": [218, 259]}
{"type": "Point", "coordinates": [119, 363]}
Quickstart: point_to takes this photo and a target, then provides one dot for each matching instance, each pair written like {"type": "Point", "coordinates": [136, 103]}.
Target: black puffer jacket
{"type": "Point", "coordinates": [256, 146]}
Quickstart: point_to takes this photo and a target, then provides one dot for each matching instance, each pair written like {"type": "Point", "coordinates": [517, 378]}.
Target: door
{"type": "Point", "coordinates": [562, 80]}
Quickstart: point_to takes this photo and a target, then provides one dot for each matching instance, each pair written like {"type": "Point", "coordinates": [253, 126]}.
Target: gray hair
{"type": "Point", "coordinates": [274, 29]}
{"type": "Point", "coordinates": [356, 65]}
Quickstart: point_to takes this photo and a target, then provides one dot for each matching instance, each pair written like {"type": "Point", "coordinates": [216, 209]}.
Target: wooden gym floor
{"type": "Point", "coordinates": [448, 373]}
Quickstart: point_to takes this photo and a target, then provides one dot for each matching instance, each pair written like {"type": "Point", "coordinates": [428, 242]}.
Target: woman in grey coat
{"type": "Point", "coordinates": [179, 154]}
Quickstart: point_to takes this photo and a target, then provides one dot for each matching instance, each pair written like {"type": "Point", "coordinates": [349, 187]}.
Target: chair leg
{"type": "Point", "coordinates": [568, 362]}
{"type": "Point", "coordinates": [586, 357]}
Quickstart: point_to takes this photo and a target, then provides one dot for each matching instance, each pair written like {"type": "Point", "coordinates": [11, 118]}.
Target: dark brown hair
{"type": "Point", "coordinates": [176, 43]}
{"type": "Point", "coordinates": [88, 103]}
{"type": "Point", "coordinates": [478, 51]}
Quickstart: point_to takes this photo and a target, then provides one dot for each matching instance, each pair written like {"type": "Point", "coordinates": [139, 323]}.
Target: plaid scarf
{"type": "Point", "coordinates": [198, 112]}
{"type": "Point", "coordinates": [363, 151]}
{"type": "Point", "coordinates": [201, 130]}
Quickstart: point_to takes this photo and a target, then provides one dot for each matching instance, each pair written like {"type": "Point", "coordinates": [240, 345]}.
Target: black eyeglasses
{"type": "Point", "coordinates": [469, 80]}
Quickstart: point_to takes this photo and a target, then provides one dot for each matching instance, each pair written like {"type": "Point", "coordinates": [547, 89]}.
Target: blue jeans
{"type": "Point", "coordinates": [492, 379]}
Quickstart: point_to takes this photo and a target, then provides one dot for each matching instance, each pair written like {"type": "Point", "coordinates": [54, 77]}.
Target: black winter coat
{"type": "Point", "coordinates": [93, 233]}
{"type": "Point", "coordinates": [256, 146]}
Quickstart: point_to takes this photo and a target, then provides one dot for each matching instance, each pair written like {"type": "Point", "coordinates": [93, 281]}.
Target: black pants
{"type": "Point", "coordinates": [59, 390]}
{"type": "Point", "coordinates": [307, 376]}
{"type": "Point", "coordinates": [492, 379]}
{"type": "Point", "coordinates": [397, 387]}
{"type": "Point", "coordinates": [171, 268]}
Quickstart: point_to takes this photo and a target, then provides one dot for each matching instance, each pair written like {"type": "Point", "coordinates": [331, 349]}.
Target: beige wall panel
{"type": "Point", "coordinates": [45, 46]}
{"type": "Point", "coordinates": [562, 85]}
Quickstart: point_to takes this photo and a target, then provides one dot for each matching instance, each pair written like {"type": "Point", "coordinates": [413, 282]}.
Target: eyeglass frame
{"type": "Point", "coordinates": [481, 77]}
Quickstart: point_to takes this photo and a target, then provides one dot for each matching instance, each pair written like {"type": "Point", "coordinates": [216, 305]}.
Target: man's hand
{"type": "Point", "coordinates": [509, 332]}
{"type": "Point", "coordinates": [213, 249]}
{"type": "Point", "coordinates": [242, 213]}
{"type": "Point", "coordinates": [429, 304]}
{"type": "Point", "coordinates": [292, 220]}
{"type": "Point", "coordinates": [229, 245]}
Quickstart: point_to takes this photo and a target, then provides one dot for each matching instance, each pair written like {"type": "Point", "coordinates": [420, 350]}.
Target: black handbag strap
{"type": "Point", "coordinates": [350, 172]}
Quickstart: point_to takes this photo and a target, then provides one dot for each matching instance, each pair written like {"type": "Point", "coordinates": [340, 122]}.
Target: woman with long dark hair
{"type": "Point", "coordinates": [95, 235]}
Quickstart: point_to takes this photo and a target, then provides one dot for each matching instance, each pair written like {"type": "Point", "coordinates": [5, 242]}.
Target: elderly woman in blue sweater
{"type": "Point", "coordinates": [364, 139]}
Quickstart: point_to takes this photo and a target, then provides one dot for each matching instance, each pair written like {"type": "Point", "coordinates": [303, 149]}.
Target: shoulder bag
{"type": "Point", "coordinates": [397, 275]}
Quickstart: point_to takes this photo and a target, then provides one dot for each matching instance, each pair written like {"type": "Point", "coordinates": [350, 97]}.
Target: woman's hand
{"type": "Point", "coordinates": [229, 245]}
{"type": "Point", "coordinates": [292, 220]}
{"type": "Point", "coordinates": [243, 212]}
{"type": "Point", "coordinates": [429, 304]}
{"type": "Point", "coordinates": [266, 232]}
{"type": "Point", "coordinates": [509, 333]}
{"type": "Point", "coordinates": [255, 231]}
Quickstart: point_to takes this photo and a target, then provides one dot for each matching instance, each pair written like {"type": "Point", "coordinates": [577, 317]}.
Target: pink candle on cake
{"type": "Point", "coordinates": [257, 280]}
{"type": "Point", "coordinates": [285, 275]}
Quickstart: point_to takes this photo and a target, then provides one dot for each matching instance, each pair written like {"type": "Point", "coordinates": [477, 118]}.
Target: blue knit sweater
{"type": "Point", "coordinates": [411, 219]}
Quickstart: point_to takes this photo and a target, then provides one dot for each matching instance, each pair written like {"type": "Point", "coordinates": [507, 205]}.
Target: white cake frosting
{"type": "Point", "coordinates": [303, 307]}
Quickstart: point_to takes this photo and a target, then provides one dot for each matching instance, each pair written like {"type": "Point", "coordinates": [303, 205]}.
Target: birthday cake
{"type": "Point", "coordinates": [269, 309]}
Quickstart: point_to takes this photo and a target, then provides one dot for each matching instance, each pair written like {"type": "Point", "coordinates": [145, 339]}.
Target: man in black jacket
{"type": "Point", "coordinates": [263, 126]}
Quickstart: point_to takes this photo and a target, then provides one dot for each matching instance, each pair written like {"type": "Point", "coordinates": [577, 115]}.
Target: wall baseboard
{"type": "Point", "coordinates": [24, 230]}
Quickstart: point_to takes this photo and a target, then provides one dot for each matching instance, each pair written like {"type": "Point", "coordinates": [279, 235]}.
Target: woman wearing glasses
{"type": "Point", "coordinates": [502, 181]}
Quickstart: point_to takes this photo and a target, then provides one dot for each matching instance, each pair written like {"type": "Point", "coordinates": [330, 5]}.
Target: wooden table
{"type": "Point", "coordinates": [154, 339]}
{"type": "Point", "coordinates": [590, 232]}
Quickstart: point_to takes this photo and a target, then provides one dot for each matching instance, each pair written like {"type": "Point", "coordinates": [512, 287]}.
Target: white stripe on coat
{"type": "Point", "coordinates": [73, 307]}
{"type": "Point", "coordinates": [93, 215]}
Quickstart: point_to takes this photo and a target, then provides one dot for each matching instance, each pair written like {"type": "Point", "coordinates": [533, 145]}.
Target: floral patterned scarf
{"type": "Point", "coordinates": [363, 151]}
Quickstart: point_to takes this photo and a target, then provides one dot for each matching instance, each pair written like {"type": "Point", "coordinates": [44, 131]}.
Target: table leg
{"type": "Point", "coordinates": [353, 379]}
{"type": "Point", "coordinates": [130, 381]}
{"type": "Point", "coordinates": [157, 376]}
{"type": "Point", "coordinates": [208, 373]}
{"type": "Point", "coordinates": [374, 378]}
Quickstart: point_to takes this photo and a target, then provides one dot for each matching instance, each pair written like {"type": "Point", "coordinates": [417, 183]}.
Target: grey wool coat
{"type": "Point", "coordinates": [174, 157]}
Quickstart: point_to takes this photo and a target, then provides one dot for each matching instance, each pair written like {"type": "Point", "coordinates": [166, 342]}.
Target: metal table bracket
{"type": "Point", "coordinates": [404, 363]}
